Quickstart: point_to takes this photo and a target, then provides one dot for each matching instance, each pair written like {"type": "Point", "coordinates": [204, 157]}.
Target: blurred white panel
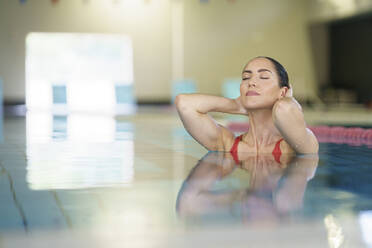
{"type": "Point", "coordinates": [38, 127]}
{"type": "Point", "coordinates": [89, 65]}
{"type": "Point", "coordinates": [39, 94]}
{"type": "Point", "coordinates": [91, 96]}
{"type": "Point", "coordinates": [91, 128]}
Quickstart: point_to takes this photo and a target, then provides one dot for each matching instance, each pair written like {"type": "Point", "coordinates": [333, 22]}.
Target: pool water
{"type": "Point", "coordinates": [142, 181]}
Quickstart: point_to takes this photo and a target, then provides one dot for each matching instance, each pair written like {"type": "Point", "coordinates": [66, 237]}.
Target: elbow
{"type": "Point", "coordinates": [285, 107]}
{"type": "Point", "coordinates": [312, 146]}
{"type": "Point", "coordinates": [186, 204]}
{"type": "Point", "coordinates": [312, 149]}
{"type": "Point", "coordinates": [178, 99]}
{"type": "Point", "coordinates": [315, 144]}
{"type": "Point", "coordinates": [182, 102]}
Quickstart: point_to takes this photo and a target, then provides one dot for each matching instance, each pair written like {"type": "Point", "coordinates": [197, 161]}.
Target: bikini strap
{"type": "Point", "coordinates": [234, 149]}
{"type": "Point", "coordinates": [277, 153]}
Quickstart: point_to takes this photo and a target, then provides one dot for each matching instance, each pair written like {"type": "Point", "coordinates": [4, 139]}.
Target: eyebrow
{"type": "Point", "coordinates": [260, 70]}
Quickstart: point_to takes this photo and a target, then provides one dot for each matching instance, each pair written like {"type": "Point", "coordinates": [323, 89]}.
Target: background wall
{"type": "Point", "coordinates": [319, 36]}
{"type": "Point", "coordinates": [147, 24]}
{"type": "Point", "coordinates": [218, 38]}
{"type": "Point", "coordinates": [328, 10]}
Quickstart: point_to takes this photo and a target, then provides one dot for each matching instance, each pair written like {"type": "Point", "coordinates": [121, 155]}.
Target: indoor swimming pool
{"type": "Point", "coordinates": [141, 181]}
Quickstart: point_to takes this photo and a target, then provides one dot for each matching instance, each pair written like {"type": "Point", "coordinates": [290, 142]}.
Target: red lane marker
{"type": "Point", "coordinates": [355, 136]}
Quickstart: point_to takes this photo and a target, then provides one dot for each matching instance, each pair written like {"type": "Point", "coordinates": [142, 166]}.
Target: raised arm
{"type": "Point", "coordinates": [193, 110]}
{"type": "Point", "coordinates": [289, 195]}
{"type": "Point", "coordinates": [195, 196]}
{"type": "Point", "coordinates": [289, 119]}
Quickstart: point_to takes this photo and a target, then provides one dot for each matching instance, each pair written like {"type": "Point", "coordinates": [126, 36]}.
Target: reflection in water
{"type": "Point", "coordinates": [77, 151]}
{"type": "Point", "coordinates": [365, 222]}
{"type": "Point", "coordinates": [335, 236]}
{"type": "Point", "coordinates": [59, 127]}
{"type": "Point", "coordinates": [258, 190]}
{"type": "Point", "coordinates": [5, 176]}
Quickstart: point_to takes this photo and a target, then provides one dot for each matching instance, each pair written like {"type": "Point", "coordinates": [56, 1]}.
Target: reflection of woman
{"type": "Point", "coordinates": [266, 97]}
{"type": "Point", "coordinates": [275, 189]}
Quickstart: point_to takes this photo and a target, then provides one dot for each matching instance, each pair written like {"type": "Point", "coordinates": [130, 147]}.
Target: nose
{"type": "Point", "coordinates": [252, 83]}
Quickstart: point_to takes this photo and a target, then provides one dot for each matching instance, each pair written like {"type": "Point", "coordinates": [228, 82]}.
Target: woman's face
{"type": "Point", "coordinates": [260, 85]}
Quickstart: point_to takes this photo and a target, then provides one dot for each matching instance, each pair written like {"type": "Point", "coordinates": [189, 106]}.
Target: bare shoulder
{"type": "Point", "coordinates": [309, 143]}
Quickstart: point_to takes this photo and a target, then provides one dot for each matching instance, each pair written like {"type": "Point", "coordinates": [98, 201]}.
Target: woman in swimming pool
{"type": "Point", "coordinates": [276, 121]}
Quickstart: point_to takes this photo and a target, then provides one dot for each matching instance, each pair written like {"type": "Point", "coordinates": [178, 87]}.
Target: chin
{"type": "Point", "coordinates": [251, 106]}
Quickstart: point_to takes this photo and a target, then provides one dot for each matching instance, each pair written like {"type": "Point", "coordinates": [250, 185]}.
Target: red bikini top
{"type": "Point", "coordinates": [234, 150]}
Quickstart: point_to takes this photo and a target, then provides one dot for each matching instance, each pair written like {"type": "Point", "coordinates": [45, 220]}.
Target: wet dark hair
{"type": "Point", "coordinates": [280, 70]}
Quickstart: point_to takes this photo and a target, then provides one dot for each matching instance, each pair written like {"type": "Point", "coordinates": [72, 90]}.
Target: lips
{"type": "Point", "coordinates": [252, 93]}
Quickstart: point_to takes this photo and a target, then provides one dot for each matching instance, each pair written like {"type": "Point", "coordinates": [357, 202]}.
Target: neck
{"type": "Point", "coordinates": [262, 130]}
